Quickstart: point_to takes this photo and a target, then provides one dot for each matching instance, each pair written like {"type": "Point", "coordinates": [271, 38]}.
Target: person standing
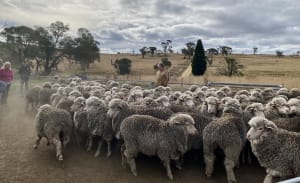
{"type": "Point", "coordinates": [163, 75]}
{"type": "Point", "coordinates": [24, 72]}
{"type": "Point", "coordinates": [6, 75]}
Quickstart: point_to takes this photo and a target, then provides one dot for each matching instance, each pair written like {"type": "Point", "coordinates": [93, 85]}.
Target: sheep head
{"type": "Point", "coordinates": [294, 105]}
{"type": "Point", "coordinates": [185, 121]}
{"type": "Point", "coordinates": [260, 127]}
{"type": "Point", "coordinates": [256, 109]}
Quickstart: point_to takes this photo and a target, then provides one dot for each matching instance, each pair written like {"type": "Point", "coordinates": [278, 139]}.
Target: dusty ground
{"type": "Point", "coordinates": [19, 162]}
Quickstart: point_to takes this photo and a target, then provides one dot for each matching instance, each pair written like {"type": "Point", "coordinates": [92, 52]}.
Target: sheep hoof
{"type": "Point", "coordinates": [35, 146]}
{"type": "Point", "coordinates": [231, 180]}
{"type": "Point", "coordinates": [208, 175]}
{"type": "Point", "coordinates": [108, 154]}
{"type": "Point", "coordinates": [170, 177]}
{"type": "Point", "coordinates": [97, 154]}
{"type": "Point", "coordinates": [62, 164]}
{"type": "Point", "coordinates": [135, 174]}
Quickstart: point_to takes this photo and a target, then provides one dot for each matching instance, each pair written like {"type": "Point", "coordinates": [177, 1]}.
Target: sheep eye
{"type": "Point", "coordinates": [260, 128]}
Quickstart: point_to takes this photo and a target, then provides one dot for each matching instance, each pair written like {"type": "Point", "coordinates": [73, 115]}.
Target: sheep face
{"type": "Point", "coordinates": [294, 105]}
{"type": "Point", "coordinates": [260, 127]}
{"type": "Point", "coordinates": [74, 94]}
{"type": "Point", "coordinates": [94, 103]}
{"type": "Point", "coordinates": [115, 106]}
{"type": "Point", "coordinates": [280, 106]}
{"type": "Point", "coordinates": [185, 121]}
{"type": "Point", "coordinates": [163, 100]}
{"type": "Point", "coordinates": [210, 105]}
{"type": "Point", "coordinates": [149, 102]}
{"type": "Point", "coordinates": [79, 104]}
{"type": "Point", "coordinates": [255, 109]}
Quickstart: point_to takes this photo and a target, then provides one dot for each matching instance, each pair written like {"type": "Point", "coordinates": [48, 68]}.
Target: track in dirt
{"type": "Point", "coordinates": [20, 163]}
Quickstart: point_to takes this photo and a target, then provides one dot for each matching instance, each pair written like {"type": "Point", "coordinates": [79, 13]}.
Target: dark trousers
{"type": "Point", "coordinates": [24, 82]}
{"type": "Point", "coordinates": [5, 94]}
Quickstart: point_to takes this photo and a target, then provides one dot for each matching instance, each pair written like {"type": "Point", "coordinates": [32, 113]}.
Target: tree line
{"type": "Point", "coordinates": [48, 46]}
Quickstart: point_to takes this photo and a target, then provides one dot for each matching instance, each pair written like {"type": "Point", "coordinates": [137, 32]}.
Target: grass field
{"type": "Point", "coordinates": [257, 69]}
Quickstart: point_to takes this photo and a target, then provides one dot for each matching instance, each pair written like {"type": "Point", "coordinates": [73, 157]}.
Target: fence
{"type": "Point", "coordinates": [181, 84]}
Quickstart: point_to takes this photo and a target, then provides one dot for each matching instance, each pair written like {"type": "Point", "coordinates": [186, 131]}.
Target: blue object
{"type": "Point", "coordinates": [294, 180]}
{"type": "Point", "coordinates": [2, 86]}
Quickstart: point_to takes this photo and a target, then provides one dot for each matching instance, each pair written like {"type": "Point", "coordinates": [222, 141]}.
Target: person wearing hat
{"type": "Point", "coordinates": [6, 76]}
{"type": "Point", "coordinates": [162, 75]}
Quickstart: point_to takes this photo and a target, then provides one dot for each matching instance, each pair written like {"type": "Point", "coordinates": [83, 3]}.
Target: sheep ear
{"type": "Point", "coordinates": [270, 125]}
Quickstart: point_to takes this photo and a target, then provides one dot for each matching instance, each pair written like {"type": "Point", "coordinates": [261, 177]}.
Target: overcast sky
{"type": "Point", "coordinates": [123, 25]}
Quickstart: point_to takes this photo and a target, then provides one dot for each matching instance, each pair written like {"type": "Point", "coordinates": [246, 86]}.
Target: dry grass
{"type": "Point", "coordinates": [257, 69]}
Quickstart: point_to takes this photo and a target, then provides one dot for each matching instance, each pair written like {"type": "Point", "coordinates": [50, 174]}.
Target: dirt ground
{"type": "Point", "coordinates": [20, 163]}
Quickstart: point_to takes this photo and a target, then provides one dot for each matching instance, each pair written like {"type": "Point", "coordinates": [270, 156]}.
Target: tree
{"type": "Point", "coordinates": [19, 41]}
{"type": "Point", "coordinates": [279, 53]}
{"type": "Point", "coordinates": [143, 51]}
{"type": "Point", "coordinates": [184, 52]}
{"type": "Point", "coordinates": [255, 50]}
{"type": "Point", "coordinates": [212, 51]}
{"type": "Point", "coordinates": [199, 64]}
{"type": "Point", "coordinates": [152, 50]}
{"type": "Point", "coordinates": [166, 46]}
{"type": "Point", "coordinates": [230, 68]}
{"type": "Point", "coordinates": [190, 48]}
{"type": "Point", "coordinates": [123, 65]}
{"type": "Point", "coordinates": [51, 41]}
{"type": "Point", "coordinates": [166, 62]}
{"type": "Point", "coordinates": [225, 50]}
{"type": "Point", "coordinates": [85, 49]}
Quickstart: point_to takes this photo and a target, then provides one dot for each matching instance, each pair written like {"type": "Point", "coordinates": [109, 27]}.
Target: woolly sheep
{"type": "Point", "coordinates": [277, 150]}
{"type": "Point", "coordinates": [294, 93]}
{"type": "Point", "coordinates": [119, 110]}
{"type": "Point", "coordinates": [294, 105]}
{"type": "Point", "coordinates": [210, 106]}
{"type": "Point", "coordinates": [151, 136]}
{"type": "Point", "coordinates": [55, 125]}
{"type": "Point", "coordinates": [32, 97]}
{"type": "Point", "coordinates": [97, 124]}
{"type": "Point", "coordinates": [229, 134]}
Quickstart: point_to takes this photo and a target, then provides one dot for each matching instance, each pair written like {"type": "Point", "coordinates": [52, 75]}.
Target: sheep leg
{"type": "Point", "coordinates": [249, 155]}
{"type": "Point", "coordinates": [231, 160]}
{"type": "Point", "coordinates": [271, 174]}
{"type": "Point", "coordinates": [178, 164]}
{"type": "Point", "coordinates": [229, 165]}
{"type": "Point", "coordinates": [58, 146]}
{"type": "Point", "coordinates": [99, 148]}
{"type": "Point", "coordinates": [108, 149]}
{"type": "Point", "coordinates": [131, 162]}
{"type": "Point", "coordinates": [124, 161]}
{"type": "Point", "coordinates": [37, 141]}
{"type": "Point", "coordinates": [89, 143]}
{"type": "Point", "coordinates": [168, 168]}
{"type": "Point", "coordinates": [209, 159]}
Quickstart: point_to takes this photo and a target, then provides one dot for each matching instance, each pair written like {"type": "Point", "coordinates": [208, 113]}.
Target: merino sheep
{"type": "Point", "coordinates": [294, 93]}
{"type": "Point", "coordinates": [119, 110]}
{"type": "Point", "coordinates": [229, 134]}
{"type": "Point", "coordinates": [276, 149]}
{"type": "Point", "coordinates": [210, 106]}
{"type": "Point", "coordinates": [152, 136]}
{"type": "Point", "coordinates": [32, 97]}
{"type": "Point", "coordinates": [80, 120]}
{"type": "Point", "coordinates": [98, 124]}
{"type": "Point", "coordinates": [294, 105]}
{"type": "Point", "coordinates": [287, 123]}
{"type": "Point", "coordinates": [277, 107]}
{"type": "Point", "coordinates": [55, 125]}
{"type": "Point", "coordinates": [45, 93]}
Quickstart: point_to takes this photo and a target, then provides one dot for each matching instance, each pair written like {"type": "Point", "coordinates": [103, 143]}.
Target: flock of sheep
{"type": "Point", "coordinates": [168, 124]}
